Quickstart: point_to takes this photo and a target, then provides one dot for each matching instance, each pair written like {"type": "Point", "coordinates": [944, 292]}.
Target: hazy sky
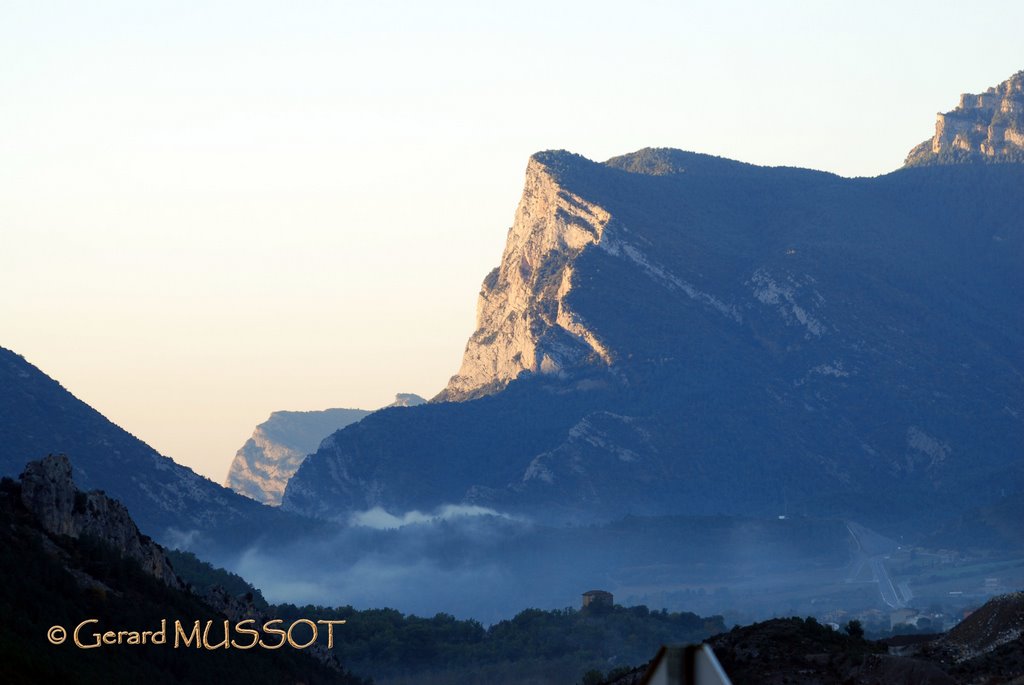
{"type": "Point", "coordinates": [212, 210]}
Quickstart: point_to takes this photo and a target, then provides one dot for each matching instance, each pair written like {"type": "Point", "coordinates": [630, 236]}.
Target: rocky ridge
{"type": "Point", "coordinates": [50, 494]}
{"type": "Point", "coordinates": [67, 555]}
{"type": "Point", "coordinates": [262, 466]}
{"type": "Point", "coordinates": [984, 127]}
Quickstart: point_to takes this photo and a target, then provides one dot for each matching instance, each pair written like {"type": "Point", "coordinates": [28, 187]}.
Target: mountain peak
{"type": "Point", "coordinates": [524, 322]}
{"type": "Point", "coordinates": [666, 161]}
{"type": "Point", "coordinates": [987, 127]}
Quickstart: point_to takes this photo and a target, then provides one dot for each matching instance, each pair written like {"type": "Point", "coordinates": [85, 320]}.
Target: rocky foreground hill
{"type": "Point", "coordinates": [674, 333]}
{"type": "Point", "coordinates": [69, 556]}
{"type": "Point", "coordinates": [985, 649]}
{"type": "Point", "coordinates": [49, 493]}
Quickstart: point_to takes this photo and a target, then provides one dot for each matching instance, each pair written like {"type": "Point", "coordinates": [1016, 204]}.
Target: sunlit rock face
{"type": "Point", "coordinates": [669, 332]}
{"type": "Point", "coordinates": [263, 465]}
{"type": "Point", "coordinates": [266, 461]}
{"type": "Point", "coordinates": [984, 127]}
{"type": "Point", "coordinates": [524, 322]}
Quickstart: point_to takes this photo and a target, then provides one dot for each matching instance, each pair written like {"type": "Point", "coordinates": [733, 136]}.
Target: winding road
{"type": "Point", "coordinates": [873, 549]}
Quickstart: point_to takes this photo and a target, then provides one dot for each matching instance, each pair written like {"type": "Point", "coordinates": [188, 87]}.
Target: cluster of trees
{"type": "Point", "coordinates": [204, 576]}
{"type": "Point", "coordinates": [556, 645]}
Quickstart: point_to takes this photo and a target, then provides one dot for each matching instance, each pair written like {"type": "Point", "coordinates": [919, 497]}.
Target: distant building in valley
{"type": "Point", "coordinates": [597, 598]}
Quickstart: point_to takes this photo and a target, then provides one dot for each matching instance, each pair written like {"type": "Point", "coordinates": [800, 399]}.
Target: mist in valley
{"type": "Point", "coordinates": [477, 563]}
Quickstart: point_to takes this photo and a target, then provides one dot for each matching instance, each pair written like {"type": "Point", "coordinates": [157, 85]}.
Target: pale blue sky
{"type": "Point", "coordinates": [212, 210]}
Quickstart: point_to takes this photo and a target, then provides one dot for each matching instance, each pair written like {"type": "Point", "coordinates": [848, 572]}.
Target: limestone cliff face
{"type": "Point", "coordinates": [986, 127]}
{"type": "Point", "coordinates": [524, 322]}
{"type": "Point", "coordinates": [48, 491]}
{"type": "Point", "coordinates": [407, 399]}
{"type": "Point", "coordinates": [262, 467]}
{"type": "Point", "coordinates": [695, 335]}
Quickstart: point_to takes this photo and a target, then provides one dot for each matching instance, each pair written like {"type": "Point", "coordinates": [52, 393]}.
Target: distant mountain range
{"type": "Point", "coordinates": [675, 333]}
{"type": "Point", "coordinates": [266, 461]}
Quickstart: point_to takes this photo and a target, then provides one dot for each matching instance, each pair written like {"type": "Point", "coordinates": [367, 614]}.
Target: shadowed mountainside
{"type": "Point", "coordinates": [169, 502]}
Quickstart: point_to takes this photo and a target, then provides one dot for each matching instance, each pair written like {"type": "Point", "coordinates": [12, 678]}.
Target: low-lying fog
{"type": "Point", "coordinates": [475, 562]}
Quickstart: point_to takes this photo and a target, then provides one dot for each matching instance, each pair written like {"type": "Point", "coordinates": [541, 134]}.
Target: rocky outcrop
{"type": "Point", "coordinates": [67, 555]}
{"type": "Point", "coordinates": [50, 494]}
{"type": "Point", "coordinates": [985, 127]}
{"type": "Point", "coordinates": [262, 467]}
{"type": "Point", "coordinates": [524, 322]}
{"type": "Point", "coordinates": [407, 399]}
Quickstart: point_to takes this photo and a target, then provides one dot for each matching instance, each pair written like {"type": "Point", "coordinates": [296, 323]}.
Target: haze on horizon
{"type": "Point", "coordinates": [216, 210]}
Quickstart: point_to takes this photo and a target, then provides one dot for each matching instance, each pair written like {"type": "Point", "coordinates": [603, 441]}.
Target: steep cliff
{"type": "Point", "coordinates": [524, 322]}
{"type": "Point", "coordinates": [266, 461]}
{"type": "Point", "coordinates": [987, 127]}
{"type": "Point", "coordinates": [669, 332]}
{"type": "Point", "coordinates": [263, 465]}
